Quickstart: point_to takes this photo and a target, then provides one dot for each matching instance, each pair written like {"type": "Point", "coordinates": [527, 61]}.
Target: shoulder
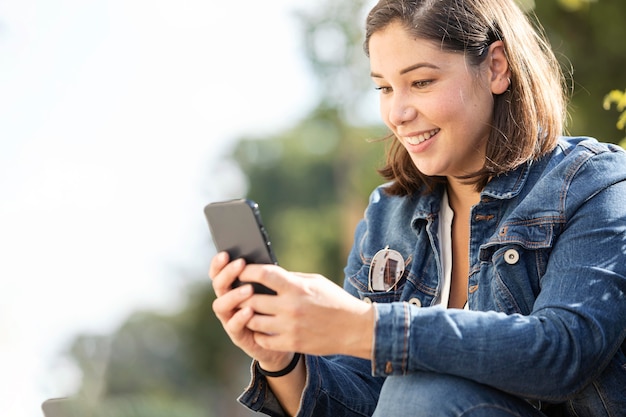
{"type": "Point", "coordinates": [579, 168]}
{"type": "Point", "coordinates": [394, 220]}
{"type": "Point", "coordinates": [579, 157]}
{"type": "Point", "coordinates": [383, 205]}
{"type": "Point", "coordinates": [586, 148]}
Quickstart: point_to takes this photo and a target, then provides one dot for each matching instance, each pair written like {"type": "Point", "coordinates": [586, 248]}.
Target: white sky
{"type": "Point", "coordinates": [112, 115]}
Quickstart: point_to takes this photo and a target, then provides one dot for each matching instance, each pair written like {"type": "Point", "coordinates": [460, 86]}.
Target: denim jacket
{"type": "Point", "coordinates": [546, 295]}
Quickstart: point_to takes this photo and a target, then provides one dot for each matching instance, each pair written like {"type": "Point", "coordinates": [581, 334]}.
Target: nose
{"type": "Point", "coordinates": [401, 111]}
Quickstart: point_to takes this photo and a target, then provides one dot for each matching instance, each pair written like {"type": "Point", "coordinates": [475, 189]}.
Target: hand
{"type": "Point", "coordinates": [309, 314]}
{"type": "Point", "coordinates": [234, 316]}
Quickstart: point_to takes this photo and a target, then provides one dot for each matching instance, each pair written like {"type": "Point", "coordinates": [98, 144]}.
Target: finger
{"type": "Point", "coordinates": [272, 342]}
{"type": "Point", "coordinates": [272, 276]}
{"type": "Point", "coordinates": [226, 306]}
{"type": "Point", "coordinates": [281, 304]}
{"type": "Point", "coordinates": [218, 262]}
{"type": "Point", "coordinates": [237, 323]}
{"type": "Point", "coordinates": [263, 323]}
{"type": "Point", "coordinates": [223, 280]}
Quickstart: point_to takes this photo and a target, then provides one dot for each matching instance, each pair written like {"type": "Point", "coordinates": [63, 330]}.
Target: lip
{"type": "Point", "coordinates": [418, 140]}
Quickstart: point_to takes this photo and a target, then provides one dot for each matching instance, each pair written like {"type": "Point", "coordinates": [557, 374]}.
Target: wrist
{"type": "Point", "coordinates": [279, 372]}
{"type": "Point", "coordinates": [358, 339]}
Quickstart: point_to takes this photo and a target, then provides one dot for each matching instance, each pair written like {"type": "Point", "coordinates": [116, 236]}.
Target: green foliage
{"type": "Point", "coordinates": [574, 5]}
{"type": "Point", "coordinates": [588, 41]}
{"type": "Point", "coordinates": [618, 98]}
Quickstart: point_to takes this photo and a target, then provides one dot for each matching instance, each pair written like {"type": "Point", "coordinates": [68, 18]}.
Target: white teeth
{"type": "Point", "coordinates": [416, 140]}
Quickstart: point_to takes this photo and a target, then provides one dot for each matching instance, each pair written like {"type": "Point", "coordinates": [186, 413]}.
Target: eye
{"type": "Point", "coordinates": [422, 83]}
{"type": "Point", "coordinates": [384, 90]}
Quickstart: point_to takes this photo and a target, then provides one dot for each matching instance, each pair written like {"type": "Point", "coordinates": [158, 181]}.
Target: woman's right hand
{"type": "Point", "coordinates": [234, 318]}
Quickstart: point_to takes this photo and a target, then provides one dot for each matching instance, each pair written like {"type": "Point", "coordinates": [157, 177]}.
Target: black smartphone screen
{"type": "Point", "coordinates": [236, 227]}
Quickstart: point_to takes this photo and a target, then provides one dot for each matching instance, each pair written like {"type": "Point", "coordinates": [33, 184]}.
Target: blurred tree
{"type": "Point", "coordinates": [312, 184]}
{"type": "Point", "coordinates": [180, 363]}
{"type": "Point", "coordinates": [312, 181]}
{"type": "Point", "coordinates": [588, 37]}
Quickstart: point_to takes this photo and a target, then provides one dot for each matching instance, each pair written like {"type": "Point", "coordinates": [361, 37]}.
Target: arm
{"type": "Point", "coordinates": [288, 388]}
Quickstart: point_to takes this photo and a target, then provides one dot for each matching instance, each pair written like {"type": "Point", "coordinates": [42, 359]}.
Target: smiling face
{"type": "Point", "coordinates": [438, 105]}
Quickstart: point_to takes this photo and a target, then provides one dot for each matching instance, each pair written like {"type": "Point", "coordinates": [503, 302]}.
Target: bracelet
{"type": "Point", "coordinates": [282, 372]}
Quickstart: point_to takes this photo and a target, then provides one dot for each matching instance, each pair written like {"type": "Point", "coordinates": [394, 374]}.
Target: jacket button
{"type": "Point", "coordinates": [415, 301]}
{"type": "Point", "coordinates": [511, 256]}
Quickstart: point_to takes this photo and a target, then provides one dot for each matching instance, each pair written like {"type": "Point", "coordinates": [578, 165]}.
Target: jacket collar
{"type": "Point", "coordinates": [509, 185]}
{"type": "Point", "coordinates": [503, 187]}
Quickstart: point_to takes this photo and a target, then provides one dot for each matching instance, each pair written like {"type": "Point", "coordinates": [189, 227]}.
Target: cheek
{"type": "Point", "coordinates": [462, 107]}
{"type": "Point", "coordinates": [456, 101]}
{"type": "Point", "coordinates": [444, 110]}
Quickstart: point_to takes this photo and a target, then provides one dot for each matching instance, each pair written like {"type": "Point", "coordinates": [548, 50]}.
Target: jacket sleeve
{"type": "Point", "coordinates": [336, 386]}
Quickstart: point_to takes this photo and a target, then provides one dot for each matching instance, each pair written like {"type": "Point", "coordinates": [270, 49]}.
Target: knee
{"type": "Point", "coordinates": [428, 394]}
{"type": "Point", "coordinates": [422, 390]}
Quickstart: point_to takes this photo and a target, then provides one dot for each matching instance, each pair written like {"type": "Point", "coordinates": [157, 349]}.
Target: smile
{"type": "Point", "coordinates": [416, 140]}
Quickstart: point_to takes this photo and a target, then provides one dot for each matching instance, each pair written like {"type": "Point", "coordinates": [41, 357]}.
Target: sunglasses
{"type": "Point", "coordinates": [386, 270]}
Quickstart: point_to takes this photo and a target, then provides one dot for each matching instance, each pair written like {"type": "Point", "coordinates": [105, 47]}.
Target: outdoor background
{"type": "Point", "coordinates": [120, 120]}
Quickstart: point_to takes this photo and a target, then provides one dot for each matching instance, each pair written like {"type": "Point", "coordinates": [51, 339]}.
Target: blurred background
{"type": "Point", "coordinates": [120, 120]}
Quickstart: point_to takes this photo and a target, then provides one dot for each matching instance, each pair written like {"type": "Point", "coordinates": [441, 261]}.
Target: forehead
{"type": "Point", "coordinates": [394, 47]}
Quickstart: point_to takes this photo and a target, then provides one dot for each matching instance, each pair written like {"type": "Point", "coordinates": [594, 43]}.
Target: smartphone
{"type": "Point", "coordinates": [236, 227]}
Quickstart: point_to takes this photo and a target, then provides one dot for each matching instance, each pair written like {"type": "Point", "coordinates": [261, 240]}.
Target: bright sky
{"type": "Point", "coordinates": [113, 114]}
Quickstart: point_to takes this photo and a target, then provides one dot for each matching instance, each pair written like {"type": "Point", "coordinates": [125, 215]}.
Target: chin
{"type": "Point", "coordinates": [428, 171]}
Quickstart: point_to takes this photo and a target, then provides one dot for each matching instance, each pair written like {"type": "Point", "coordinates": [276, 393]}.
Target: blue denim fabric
{"type": "Point", "coordinates": [426, 394]}
{"type": "Point", "coordinates": [547, 293]}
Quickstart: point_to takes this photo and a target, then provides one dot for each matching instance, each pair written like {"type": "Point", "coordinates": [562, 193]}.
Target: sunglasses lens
{"type": "Point", "coordinates": [386, 270]}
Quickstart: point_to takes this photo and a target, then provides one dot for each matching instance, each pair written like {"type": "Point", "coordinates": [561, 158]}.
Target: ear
{"type": "Point", "coordinates": [499, 68]}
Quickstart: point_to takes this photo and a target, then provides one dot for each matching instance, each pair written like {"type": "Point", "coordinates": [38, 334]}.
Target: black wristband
{"type": "Point", "coordinates": [282, 372]}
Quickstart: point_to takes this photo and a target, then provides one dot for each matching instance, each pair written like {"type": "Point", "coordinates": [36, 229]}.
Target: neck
{"type": "Point", "coordinates": [461, 196]}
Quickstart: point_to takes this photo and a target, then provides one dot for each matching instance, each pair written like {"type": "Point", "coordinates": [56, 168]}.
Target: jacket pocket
{"type": "Point", "coordinates": [360, 281]}
{"type": "Point", "coordinates": [513, 262]}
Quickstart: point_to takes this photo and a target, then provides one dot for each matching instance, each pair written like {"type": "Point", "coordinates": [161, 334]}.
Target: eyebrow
{"type": "Point", "coordinates": [409, 69]}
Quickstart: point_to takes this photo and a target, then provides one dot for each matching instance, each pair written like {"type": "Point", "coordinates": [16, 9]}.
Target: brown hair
{"type": "Point", "coordinates": [528, 118]}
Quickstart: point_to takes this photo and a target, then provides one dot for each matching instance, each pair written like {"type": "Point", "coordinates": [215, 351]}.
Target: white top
{"type": "Point", "coordinates": [446, 215]}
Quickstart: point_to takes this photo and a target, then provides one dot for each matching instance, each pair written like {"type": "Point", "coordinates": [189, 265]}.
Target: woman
{"type": "Point", "coordinates": [488, 277]}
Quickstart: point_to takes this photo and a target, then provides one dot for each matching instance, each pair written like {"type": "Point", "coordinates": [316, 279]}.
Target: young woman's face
{"type": "Point", "coordinates": [438, 107]}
